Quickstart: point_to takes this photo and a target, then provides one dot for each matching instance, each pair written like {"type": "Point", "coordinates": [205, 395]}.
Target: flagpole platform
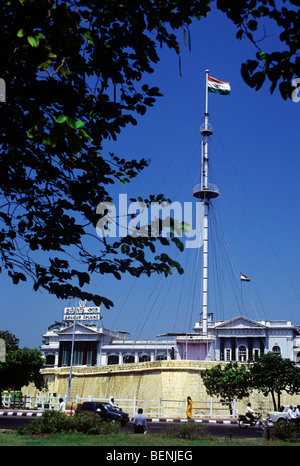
{"type": "Point", "coordinates": [206, 129]}
{"type": "Point", "coordinates": [209, 191]}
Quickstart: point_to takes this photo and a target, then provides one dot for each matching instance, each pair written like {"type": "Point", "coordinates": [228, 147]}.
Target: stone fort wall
{"type": "Point", "coordinates": [168, 380]}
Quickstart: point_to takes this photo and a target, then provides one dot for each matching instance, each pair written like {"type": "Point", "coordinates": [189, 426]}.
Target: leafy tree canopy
{"type": "Point", "coordinates": [228, 381]}
{"type": "Point", "coordinates": [254, 20]}
{"type": "Point", "coordinates": [22, 366]}
{"type": "Point", "coordinates": [272, 374]}
{"type": "Point", "coordinates": [11, 341]}
{"type": "Point", "coordinates": [75, 75]}
{"type": "Point", "coordinates": [74, 79]}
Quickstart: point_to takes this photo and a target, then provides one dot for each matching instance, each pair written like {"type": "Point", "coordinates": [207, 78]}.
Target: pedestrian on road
{"type": "Point", "coordinates": [139, 423]}
{"type": "Point", "coordinates": [297, 415]}
{"type": "Point", "coordinates": [291, 415]}
{"type": "Point", "coordinates": [189, 408]}
{"type": "Point", "coordinates": [62, 405]}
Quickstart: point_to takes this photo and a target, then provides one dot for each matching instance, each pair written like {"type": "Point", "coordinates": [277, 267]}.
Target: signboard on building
{"type": "Point", "coordinates": [81, 313]}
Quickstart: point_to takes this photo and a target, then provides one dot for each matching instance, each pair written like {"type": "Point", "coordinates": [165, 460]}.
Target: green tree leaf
{"type": "Point", "coordinates": [33, 41]}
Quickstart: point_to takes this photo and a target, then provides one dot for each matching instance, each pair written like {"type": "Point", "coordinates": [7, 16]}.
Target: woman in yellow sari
{"type": "Point", "coordinates": [189, 407]}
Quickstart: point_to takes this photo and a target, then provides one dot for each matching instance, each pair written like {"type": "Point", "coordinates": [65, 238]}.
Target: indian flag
{"type": "Point", "coordinates": [244, 278]}
{"type": "Point", "coordinates": [218, 87]}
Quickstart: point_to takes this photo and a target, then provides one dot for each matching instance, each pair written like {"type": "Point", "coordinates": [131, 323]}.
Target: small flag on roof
{"type": "Point", "coordinates": [244, 278]}
{"type": "Point", "coordinates": [217, 86]}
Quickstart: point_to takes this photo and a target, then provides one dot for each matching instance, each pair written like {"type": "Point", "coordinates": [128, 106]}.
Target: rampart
{"type": "Point", "coordinates": [168, 380]}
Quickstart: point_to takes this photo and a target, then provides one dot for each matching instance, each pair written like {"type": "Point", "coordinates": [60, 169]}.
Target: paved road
{"type": "Point", "coordinates": [220, 428]}
{"type": "Point", "coordinates": [11, 419]}
{"type": "Point", "coordinates": [13, 422]}
{"type": "Point", "coordinates": [215, 429]}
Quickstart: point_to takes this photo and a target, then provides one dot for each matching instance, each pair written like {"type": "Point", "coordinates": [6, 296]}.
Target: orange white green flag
{"type": "Point", "coordinates": [217, 86]}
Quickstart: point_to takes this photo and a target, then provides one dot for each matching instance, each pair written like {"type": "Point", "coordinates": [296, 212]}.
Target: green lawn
{"type": "Point", "coordinates": [126, 439]}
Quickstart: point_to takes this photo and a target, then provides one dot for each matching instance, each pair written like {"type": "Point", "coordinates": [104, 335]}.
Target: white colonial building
{"type": "Point", "coordinates": [239, 339]}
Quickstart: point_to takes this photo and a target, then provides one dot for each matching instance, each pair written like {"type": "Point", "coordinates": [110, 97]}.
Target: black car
{"type": "Point", "coordinates": [106, 411]}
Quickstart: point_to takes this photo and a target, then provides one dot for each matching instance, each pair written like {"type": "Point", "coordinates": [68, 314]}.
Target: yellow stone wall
{"type": "Point", "coordinates": [168, 380]}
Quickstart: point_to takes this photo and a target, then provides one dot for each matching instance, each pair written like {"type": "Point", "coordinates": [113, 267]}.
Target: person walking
{"type": "Point", "coordinates": [139, 423]}
{"type": "Point", "coordinates": [62, 405]}
{"type": "Point", "coordinates": [189, 408]}
{"type": "Point", "coordinates": [291, 415]}
{"type": "Point", "coordinates": [297, 415]}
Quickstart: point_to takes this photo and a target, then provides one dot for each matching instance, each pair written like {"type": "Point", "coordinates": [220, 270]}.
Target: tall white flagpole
{"type": "Point", "coordinates": [205, 217]}
{"type": "Point", "coordinates": [241, 297]}
{"type": "Point", "coordinates": [206, 97]}
{"type": "Point", "coordinates": [205, 191]}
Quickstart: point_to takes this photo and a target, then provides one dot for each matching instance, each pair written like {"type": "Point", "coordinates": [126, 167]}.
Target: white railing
{"type": "Point", "coordinates": [155, 408]}
{"type": "Point", "coordinates": [210, 187]}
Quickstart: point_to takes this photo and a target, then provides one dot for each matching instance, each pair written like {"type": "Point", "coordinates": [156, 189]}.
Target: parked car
{"type": "Point", "coordinates": [279, 416]}
{"type": "Point", "coordinates": [106, 411]}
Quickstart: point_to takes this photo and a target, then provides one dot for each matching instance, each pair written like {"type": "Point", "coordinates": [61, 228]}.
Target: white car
{"type": "Point", "coordinates": [279, 416]}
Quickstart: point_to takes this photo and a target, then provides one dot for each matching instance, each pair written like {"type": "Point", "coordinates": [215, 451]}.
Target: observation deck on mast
{"type": "Point", "coordinates": [206, 129]}
{"type": "Point", "coordinates": [209, 191]}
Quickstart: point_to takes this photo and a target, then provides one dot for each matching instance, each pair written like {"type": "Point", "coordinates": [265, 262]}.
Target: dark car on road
{"type": "Point", "coordinates": [106, 411]}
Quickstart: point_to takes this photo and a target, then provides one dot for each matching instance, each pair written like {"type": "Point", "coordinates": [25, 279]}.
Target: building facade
{"type": "Point", "coordinates": [239, 339]}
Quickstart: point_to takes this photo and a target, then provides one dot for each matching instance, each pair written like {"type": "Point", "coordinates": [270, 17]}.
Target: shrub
{"type": "Point", "coordinates": [286, 431]}
{"type": "Point", "coordinates": [85, 423]}
{"type": "Point", "coordinates": [188, 431]}
{"type": "Point", "coordinates": [54, 422]}
{"type": "Point", "coordinates": [51, 422]}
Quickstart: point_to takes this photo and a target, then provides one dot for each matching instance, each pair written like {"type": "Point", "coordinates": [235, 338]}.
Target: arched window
{"type": "Point", "coordinates": [161, 357]}
{"type": "Point", "coordinates": [128, 358]}
{"type": "Point", "coordinates": [144, 358]}
{"type": "Point", "coordinates": [50, 360]}
{"type": "Point", "coordinates": [242, 353]}
{"type": "Point", "coordinates": [113, 359]}
{"type": "Point", "coordinates": [276, 349]}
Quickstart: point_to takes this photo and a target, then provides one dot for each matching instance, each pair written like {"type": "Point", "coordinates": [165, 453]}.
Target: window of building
{"type": "Point", "coordinates": [50, 360]}
{"type": "Point", "coordinates": [84, 353]}
{"type": "Point", "coordinates": [227, 354]}
{"type": "Point", "coordinates": [144, 358]}
{"type": "Point", "coordinates": [112, 359]}
{"type": "Point", "coordinates": [128, 359]}
{"type": "Point", "coordinates": [256, 353]}
{"type": "Point", "coordinates": [161, 357]}
{"type": "Point", "coordinates": [242, 353]}
{"type": "Point", "coordinates": [276, 349]}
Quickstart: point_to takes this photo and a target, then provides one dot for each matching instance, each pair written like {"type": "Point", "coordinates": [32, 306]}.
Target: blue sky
{"type": "Point", "coordinates": [254, 158]}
